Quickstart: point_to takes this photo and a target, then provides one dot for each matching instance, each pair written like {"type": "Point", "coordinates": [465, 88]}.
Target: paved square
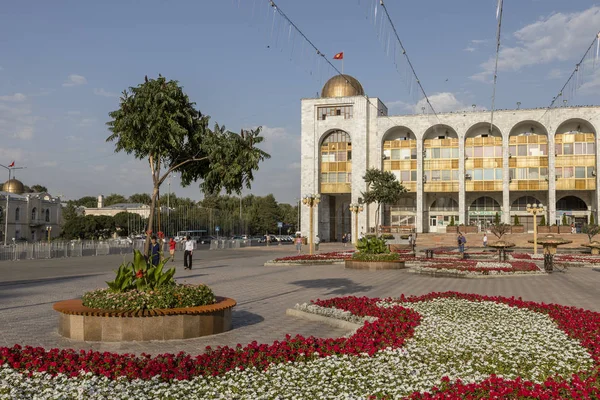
{"type": "Point", "coordinates": [29, 288]}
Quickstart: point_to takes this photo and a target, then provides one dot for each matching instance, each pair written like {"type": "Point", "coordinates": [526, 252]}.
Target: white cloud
{"type": "Point", "coordinates": [478, 41]}
{"type": "Point", "coordinates": [469, 49]}
{"type": "Point", "coordinates": [75, 80]}
{"type": "Point", "coordinates": [445, 102]}
{"type": "Point", "coordinates": [102, 92]}
{"type": "Point", "coordinates": [17, 121]}
{"type": "Point", "coordinates": [555, 73]}
{"type": "Point", "coordinates": [17, 98]}
{"type": "Point", "coordinates": [74, 112]}
{"type": "Point", "coordinates": [558, 37]}
{"type": "Point", "coordinates": [592, 84]}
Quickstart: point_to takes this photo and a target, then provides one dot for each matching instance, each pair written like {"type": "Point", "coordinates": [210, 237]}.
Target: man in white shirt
{"type": "Point", "coordinates": [187, 254]}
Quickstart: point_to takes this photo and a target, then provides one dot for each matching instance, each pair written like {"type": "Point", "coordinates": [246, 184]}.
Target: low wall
{"type": "Point", "coordinates": [89, 324]}
{"type": "Point", "coordinates": [374, 265]}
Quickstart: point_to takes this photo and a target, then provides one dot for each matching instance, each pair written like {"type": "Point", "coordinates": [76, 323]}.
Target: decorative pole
{"type": "Point", "coordinates": [311, 200]}
{"type": "Point", "coordinates": [355, 208]}
{"type": "Point", "coordinates": [534, 209]}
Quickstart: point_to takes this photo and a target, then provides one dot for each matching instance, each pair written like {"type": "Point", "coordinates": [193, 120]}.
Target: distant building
{"type": "Point", "coordinates": [30, 216]}
{"type": "Point", "coordinates": [142, 210]}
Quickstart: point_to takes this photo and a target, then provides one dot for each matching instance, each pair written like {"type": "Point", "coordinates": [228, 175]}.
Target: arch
{"type": "Point", "coordinates": [528, 127]}
{"type": "Point", "coordinates": [398, 133]}
{"type": "Point", "coordinates": [444, 204]}
{"type": "Point", "coordinates": [34, 214]}
{"type": "Point", "coordinates": [571, 203]}
{"type": "Point", "coordinates": [485, 203]}
{"type": "Point", "coordinates": [575, 125]}
{"type": "Point", "coordinates": [520, 204]}
{"type": "Point", "coordinates": [482, 129]}
{"type": "Point", "coordinates": [335, 136]}
{"type": "Point", "coordinates": [47, 215]}
{"type": "Point", "coordinates": [17, 214]}
{"type": "Point", "coordinates": [439, 130]}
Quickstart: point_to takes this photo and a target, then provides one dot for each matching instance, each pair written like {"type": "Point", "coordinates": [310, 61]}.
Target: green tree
{"type": "Point", "coordinates": [543, 221]}
{"type": "Point", "coordinates": [87, 202]}
{"type": "Point", "coordinates": [516, 220]}
{"type": "Point", "coordinates": [125, 222]}
{"type": "Point", "coordinates": [157, 122]}
{"type": "Point", "coordinates": [39, 189]}
{"type": "Point", "coordinates": [592, 220]}
{"type": "Point", "coordinates": [69, 212]}
{"type": "Point", "coordinates": [564, 220]}
{"type": "Point", "coordinates": [497, 219]}
{"type": "Point", "coordinates": [142, 198]}
{"type": "Point", "coordinates": [591, 230]}
{"type": "Point", "coordinates": [114, 198]}
{"type": "Point", "coordinates": [382, 188]}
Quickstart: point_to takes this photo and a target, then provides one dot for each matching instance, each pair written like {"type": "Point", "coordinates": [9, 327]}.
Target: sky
{"type": "Point", "coordinates": [64, 63]}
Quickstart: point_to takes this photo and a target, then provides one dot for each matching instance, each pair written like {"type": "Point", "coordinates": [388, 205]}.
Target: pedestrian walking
{"type": "Point", "coordinates": [187, 254]}
{"type": "Point", "coordinates": [298, 242]}
{"type": "Point", "coordinates": [461, 243]}
{"type": "Point", "coordinates": [344, 239]}
{"type": "Point", "coordinates": [172, 245]}
{"type": "Point", "coordinates": [485, 240]}
{"type": "Point", "coordinates": [317, 242]}
{"type": "Point", "coordinates": [154, 251]}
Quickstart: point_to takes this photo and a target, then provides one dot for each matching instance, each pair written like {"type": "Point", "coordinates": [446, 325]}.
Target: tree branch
{"type": "Point", "coordinates": [174, 167]}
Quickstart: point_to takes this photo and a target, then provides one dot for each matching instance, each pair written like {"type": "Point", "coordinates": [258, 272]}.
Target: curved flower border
{"type": "Point", "coordinates": [392, 327]}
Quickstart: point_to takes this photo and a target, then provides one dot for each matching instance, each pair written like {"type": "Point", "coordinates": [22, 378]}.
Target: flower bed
{"type": "Point", "coordinates": [437, 346]}
{"type": "Point", "coordinates": [478, 268]}
{"type": "Point", "coordinates": [172, 296]}
{"type": "Point", "coordinates": [321, 258]}
{"type": "Point", "coordinates": [570, 258]}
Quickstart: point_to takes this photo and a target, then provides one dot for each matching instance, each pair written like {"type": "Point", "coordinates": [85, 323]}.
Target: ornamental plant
{"type": "Point", "coordinates": [141, 275]}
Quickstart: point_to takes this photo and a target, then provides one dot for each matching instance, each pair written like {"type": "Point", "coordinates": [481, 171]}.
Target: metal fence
{"type": "Point", "coordinates": [60, 249]}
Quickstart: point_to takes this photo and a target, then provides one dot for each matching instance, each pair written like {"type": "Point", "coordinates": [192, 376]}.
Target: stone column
{"type": "Point", "coordinates": [419, 223]}
{"type": "Point", "coordinates": [551, 180]}
{"type": "Point", "coordinates": [505, 180]}
{"type": "Point", "coordinates": [461, 181]}
{"type": "Point", "coordinates": [596, 193]}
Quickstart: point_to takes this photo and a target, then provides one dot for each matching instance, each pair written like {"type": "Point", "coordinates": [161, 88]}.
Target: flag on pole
{"type": "Point", "coordinates": [12, 164]}
{"type": "Point", "coordinates": [339, 56]}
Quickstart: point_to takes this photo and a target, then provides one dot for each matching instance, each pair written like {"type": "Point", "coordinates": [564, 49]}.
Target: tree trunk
{"type": "Point", "coordinates": [150, 221]}
{"type": "Point", "coordinates": [377, 220]}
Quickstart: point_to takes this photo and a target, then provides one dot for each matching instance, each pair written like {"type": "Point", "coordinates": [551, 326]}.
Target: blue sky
{"type": "Point", "coordinates": [63, 64]}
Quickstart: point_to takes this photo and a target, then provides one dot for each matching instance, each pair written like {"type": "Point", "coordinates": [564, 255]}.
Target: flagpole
{"type": "Point", "coordinates": [342, 64]}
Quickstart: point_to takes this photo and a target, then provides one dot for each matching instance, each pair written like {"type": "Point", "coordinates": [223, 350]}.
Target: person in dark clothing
{"type": "Point", "coordinates": [155, 251]}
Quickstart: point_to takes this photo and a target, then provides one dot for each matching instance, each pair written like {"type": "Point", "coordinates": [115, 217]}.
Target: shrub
{"type": "Point", "coordinates": [497, 219]}
{"type": "Point", "coordinates": [141, 275]}
{"type": "Point", "coordinates": [543, 221]}
{"type": "Point", "coordinates": [451, 220]}
{"type": "Point", "coordinates": [564, 220]}
{"type": "Point", "coordinates": [387, 236]}
{"type": "Point", "coordinates": [592, 220]}
{"type": "Point", "coordinates": [174, 296]}
{"type": "Point", "coordinates": [372, 246]}
{"type": "Point", "coordinates": [375, 257]}
{"type": "Point", "coordinates": [516, 220]}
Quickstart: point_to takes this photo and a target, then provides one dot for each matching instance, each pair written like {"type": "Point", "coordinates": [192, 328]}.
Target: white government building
{"type": "Point", "coordinates": [30, 216]}
{"type": "Point", "coordinates": [454, 166]}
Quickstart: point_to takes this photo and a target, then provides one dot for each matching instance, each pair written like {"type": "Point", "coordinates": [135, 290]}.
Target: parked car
{"type": "Point", "coordinates": [206, 239]}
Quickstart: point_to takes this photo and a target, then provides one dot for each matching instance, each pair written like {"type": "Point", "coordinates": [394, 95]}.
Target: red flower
{"type": "Point", "coordinates": [161, 235]}
{"type": "Point", "coordinates": [139, 274]}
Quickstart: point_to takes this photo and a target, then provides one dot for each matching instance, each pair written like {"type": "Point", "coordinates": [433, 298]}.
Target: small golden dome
{"type": "Point", "coordinates": [342, 86]}
{"type": "Point", "coordinates": [13, 186]}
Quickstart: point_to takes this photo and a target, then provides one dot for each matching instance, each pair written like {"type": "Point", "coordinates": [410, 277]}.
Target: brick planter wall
{"type": "Point", "coordinates": [374, 265]}
{"type": "Point", "coordinates": [82, 323]}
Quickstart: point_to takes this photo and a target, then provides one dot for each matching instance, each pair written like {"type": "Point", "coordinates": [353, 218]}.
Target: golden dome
{"type": "Point", "coordinates": [13, 186]}
{"type": "Point", "coordinates": [342, 86]}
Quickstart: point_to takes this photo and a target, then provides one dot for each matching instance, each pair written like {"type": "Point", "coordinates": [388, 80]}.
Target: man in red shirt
{"type": "Point", "coordinates": [172, 244]}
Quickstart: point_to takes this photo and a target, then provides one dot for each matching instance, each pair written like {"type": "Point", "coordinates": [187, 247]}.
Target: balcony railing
{"type": "Point", "coordinates": [528, 184]}
{"type": "Point", "coordinates": [336, 188]}
{"type": "Point", "coordinates": [575, 184]}
{"type": "Point", "coordinates": [441, 187]}
{"type": "Point", "coordinates": [483, 186]}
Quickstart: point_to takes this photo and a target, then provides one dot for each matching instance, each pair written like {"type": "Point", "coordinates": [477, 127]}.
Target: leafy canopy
{"type": "Point", "coordinates": [382, 187]}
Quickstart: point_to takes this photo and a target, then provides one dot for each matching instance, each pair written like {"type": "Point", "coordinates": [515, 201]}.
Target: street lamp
{"type": "Point", "coordinates": [355, 208]}
{"type": "Point", "coordinates": [49, 230]}
{"type": "Point", "coordinates": [311, 200]}
{"type": "Point", "coordinates": [535, 209]}
{"type": "Point", "coordinates": [9, 168]}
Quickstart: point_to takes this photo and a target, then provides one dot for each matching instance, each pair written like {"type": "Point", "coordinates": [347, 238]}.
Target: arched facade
{"type": "Point", "coordinates": [336, 162]}
{"type": "Point", "coordinates": [456, 155]}
{"type": "Point", "coordinates": [442, 212]}
{"type": "Point", "coordinates": [483, 158]}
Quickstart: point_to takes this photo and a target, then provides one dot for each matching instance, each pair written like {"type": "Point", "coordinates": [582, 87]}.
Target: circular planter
{"type": "Point", "coordinates": [374, 265]}
{"type": "Point", "coordinates": [91, 324]}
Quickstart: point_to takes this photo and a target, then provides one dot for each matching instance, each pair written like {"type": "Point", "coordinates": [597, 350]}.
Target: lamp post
{"type": "Point", "coordinates": [49, 230]}
{"type": "Point", "coordinates": [9, 168]}
{"type": "Point", "coordinates": [355, 208]}
{"type": "Point", "coordinates": [311, 200]}
{"type": "Point", "coordinates": [535, 209]}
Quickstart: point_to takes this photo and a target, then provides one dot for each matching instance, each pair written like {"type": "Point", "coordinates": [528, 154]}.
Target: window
{"type": "Point", "coordinates": [446, 174]}
{"type": "Point", "coordinates": [488, 151]}
{"type": "Point", "coordinates": [34, 214]}
{"type": "Point", "coordinates": [579, 172]}
{"type": "Point", "coordinates": [444, 204]}
{"type": "Point", "coordinates": [324, 112]}
{"type": "Point", "coordinates": [558, 172]}
{"type": "Point", "coordinates": [521, 203]}
{"type": "Point", "coordinates": [413, 176]}
{"type": "Point", "coordinates": [567, 172]}
{"type": "Point", "coordinates": [590, 172]}
{"type": "Point", "coordinates": [17, 214]}
{"type": "Point", "coordinates": [522, 150]}
{"type": "Point", "coordinates": [567, 149]}
{"type": "Point", "coordinates": [47, 215]}
{"type": "Point", "coordinates": [498, 174]}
